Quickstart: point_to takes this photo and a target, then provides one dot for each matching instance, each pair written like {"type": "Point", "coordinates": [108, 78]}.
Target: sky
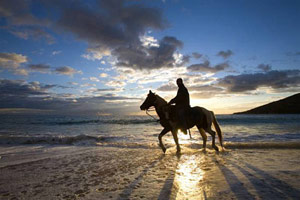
{"type": "Point", "coordinates": [101, 57]}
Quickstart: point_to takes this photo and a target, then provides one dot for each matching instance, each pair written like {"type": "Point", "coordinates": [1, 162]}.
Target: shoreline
{"type": "Point", "coordinates": [72, 172]}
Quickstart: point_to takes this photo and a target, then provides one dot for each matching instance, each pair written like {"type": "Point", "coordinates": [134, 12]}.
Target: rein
{"type": "Point", "coordinates": [157, 120]}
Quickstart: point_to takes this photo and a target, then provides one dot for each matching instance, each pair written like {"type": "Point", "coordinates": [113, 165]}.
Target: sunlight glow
{"type": "Point", "coordinates": [187, 178]}
{"type": "Point", "coordinates": [182, 137]}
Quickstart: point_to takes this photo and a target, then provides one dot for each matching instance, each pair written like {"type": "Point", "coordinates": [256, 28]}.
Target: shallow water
{"type": "Point", "coordinates": [141, 130]}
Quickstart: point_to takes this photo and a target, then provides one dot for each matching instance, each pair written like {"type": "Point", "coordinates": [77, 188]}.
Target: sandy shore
{"type": "Point", "coordinates": [73, 172]}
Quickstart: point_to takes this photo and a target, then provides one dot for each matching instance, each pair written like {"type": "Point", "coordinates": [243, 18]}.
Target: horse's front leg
{"type": "Point", "coordinates": [174, 133]}
{"type": "Point", "coordinates": [162, 133]}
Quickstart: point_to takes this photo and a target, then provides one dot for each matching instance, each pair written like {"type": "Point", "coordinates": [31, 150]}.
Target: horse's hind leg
{"type": "Point", "coordinates": [162, 133]}
{"type": "Point", "coordinates": [204, 136]}
{"type": "Point", "coordinates": [174, 133]}
{"type": "Point", "coordinates": [213, 135]}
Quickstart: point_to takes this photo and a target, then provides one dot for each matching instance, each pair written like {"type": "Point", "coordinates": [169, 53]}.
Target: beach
{"type": "Point", "coordinates": [108, 172]}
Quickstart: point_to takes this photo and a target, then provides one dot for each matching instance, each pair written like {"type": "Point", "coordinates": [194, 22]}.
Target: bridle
{"type": "Point", "coordinates": [149, 110]}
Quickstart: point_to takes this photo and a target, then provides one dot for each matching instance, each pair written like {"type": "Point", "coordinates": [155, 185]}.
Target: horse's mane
{"type": "Point", "coordinates": [160, 98]}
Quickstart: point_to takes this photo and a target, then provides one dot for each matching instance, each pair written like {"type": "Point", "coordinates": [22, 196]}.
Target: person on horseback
{"type": "Point", "coordinates": [182, 104]}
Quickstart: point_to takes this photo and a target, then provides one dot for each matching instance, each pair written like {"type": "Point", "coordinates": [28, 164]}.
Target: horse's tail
{"type": "Point", "coordinates": [218, 129]}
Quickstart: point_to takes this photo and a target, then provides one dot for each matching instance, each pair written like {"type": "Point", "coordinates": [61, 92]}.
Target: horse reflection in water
{"type": "Point", "coordinates": [197, 116]}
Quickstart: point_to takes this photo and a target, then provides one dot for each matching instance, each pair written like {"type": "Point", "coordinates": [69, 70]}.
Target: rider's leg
{"type": "Point", "coordinates": [183, 125]}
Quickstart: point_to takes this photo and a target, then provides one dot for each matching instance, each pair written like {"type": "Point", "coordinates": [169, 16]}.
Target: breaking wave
{"type": "Point", "coordinates": [121, 142]}
{"type": "Point", "coordinates": [100, 121]}
{"type": "Point", "coordinates": [56, 140]}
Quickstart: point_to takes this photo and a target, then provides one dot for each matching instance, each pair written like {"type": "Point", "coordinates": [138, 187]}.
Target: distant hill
{"type": "Point", "coordinates": [289, 105]}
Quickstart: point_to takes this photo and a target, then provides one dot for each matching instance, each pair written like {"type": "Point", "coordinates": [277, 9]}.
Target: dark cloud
{"type": "Point", "coordinates": [196, 55]}
{"type": "Point", "coordinates": [34, 95]}
{"type": "Point", "coordinates": [110, 23]}
{"type": "Point", "coordinates": [43, 68]}
{"type": "Point", "coordinates": [206, 67]}
{"type": "Point", "coordinates": [21, 22]}
{"type": "Point", "coordinates": [225, 54]}
{"type": "Point", "coordinates": [140, 57]}
{"type": "Point", "coordinates": [107, 25]}
{"type": "Point", "coordinates": [66, 70]}
{"type": "Point", "coordinates": [18, 12]}
{"type": "Point", "coordinates": [274, 79]}
{"type": "Point", "coordinates": [264, 67]}
{"type": "Point", "coordinates": [20, 88]}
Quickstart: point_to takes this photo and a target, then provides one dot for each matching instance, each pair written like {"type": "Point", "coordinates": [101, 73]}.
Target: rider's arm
{"type": "Point", "coordinates": [179, 97]}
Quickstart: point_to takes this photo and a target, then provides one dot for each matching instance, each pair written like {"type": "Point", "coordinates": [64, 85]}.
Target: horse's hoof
{"type": "Point", "coordinates": [216, 148]}
{"type": "Point", "coordinates": [164, 150]}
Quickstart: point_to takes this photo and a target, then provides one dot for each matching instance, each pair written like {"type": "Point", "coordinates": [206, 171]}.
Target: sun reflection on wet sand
{"type": "Point", "coordinates": [188, 177]}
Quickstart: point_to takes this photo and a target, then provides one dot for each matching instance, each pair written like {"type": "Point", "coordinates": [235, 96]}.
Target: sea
{"type": "Point", "coordinates": [239, 131]}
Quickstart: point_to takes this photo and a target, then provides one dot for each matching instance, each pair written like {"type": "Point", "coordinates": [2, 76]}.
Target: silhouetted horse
{"type": "Point", "coordinates": [196, 116]}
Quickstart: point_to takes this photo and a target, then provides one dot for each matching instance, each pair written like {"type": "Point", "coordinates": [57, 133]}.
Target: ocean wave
{"type": "Point", "coordinates": [121, 142]}
{"type": "Point", "coordinates": [99, 121]}
{"type": "Point", "coordinates": [55, 140]}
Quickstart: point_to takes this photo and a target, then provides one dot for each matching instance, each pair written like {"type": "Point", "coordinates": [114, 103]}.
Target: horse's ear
{"type": "Point", "coordinates": [150, 92]}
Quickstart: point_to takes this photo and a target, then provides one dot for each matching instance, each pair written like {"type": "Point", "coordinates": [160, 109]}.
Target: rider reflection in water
{"type": "Point", "coordinates": [182, 104]}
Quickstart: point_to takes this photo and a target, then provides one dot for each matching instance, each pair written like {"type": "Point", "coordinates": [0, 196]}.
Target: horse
{"type": "Point", "coordinates": [197, 116]}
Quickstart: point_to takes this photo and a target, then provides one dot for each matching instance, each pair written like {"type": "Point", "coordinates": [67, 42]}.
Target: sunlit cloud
{"type": "Point", "coordinates": [103, 75]}
{"type": "Point", "coordinates": [95, 79]}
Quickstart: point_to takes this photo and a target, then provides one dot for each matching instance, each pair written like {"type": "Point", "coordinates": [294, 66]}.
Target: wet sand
{"type": "Point", "coordinates": [79, 172]}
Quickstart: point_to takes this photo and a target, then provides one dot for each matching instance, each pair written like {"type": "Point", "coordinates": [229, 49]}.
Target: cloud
{"type": "Point", "coordinates": [88, 85]}
{"type": "Point", "coordinates": [103, 75]}
{"type": "Point", "coordinates": [34, 95]}
{"type": "Point", "coordinates": [155, 57]}
{"type": "Point", "coordinates": [149, 41]}
{"type": "Point", "coordinates": [12, 63]}
{"type": "Point", "coordinates": [17, 12]}
{"type": "Point", "coordinates": [264, 67]}
{"type": "Point", "coordinates": [168, 87]}
{"type": "Point", "coordinates": [11, 60]}
{"type": "Point", "coordinates": [196, 55]}
{"type": "Point", "coordinates": [55, 52]}
{"type": "Point", "coordinates": [66, 70]}
{"type": "Point", "coordinates": [94, 79]}
{"type": "Point", "coordinates": [42, 68]}
{"type": "Point", "coordinates": [32, 32]}
{"type": "Point", "coordinates": [115, 83]}
{"type": "Point", "coordinates": [110, 23]}
{"type": "Point", "coordinates": [197, 91]}
{"type": "Point", "coordinates": [20, 88]}
{"type": "Point", "coordinates": [73, 83]}
{"type": "Point", "coordinates": [225, 54]}
{"type": "Point", "coordinates": [249, 82]}
{"type": "Point", "coordinates": [96, 53]}
{"type": "Point", "coordinates": [205, 67]}
{"type": "Point", "coordinates": [22, 72]}
{"type": "Point", "coordinates": [111, 28]}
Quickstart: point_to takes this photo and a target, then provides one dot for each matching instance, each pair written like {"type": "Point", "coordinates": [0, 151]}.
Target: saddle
{"type": "Point", "coordinates": [171, 114]}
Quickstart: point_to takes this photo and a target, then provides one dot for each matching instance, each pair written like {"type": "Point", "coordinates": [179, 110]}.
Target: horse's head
{"type": "Point", "coordinates": [150, 101]}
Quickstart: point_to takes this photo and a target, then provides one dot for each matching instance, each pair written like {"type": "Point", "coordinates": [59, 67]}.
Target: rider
{"type": "Point", "coordinates": [182, 102]}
